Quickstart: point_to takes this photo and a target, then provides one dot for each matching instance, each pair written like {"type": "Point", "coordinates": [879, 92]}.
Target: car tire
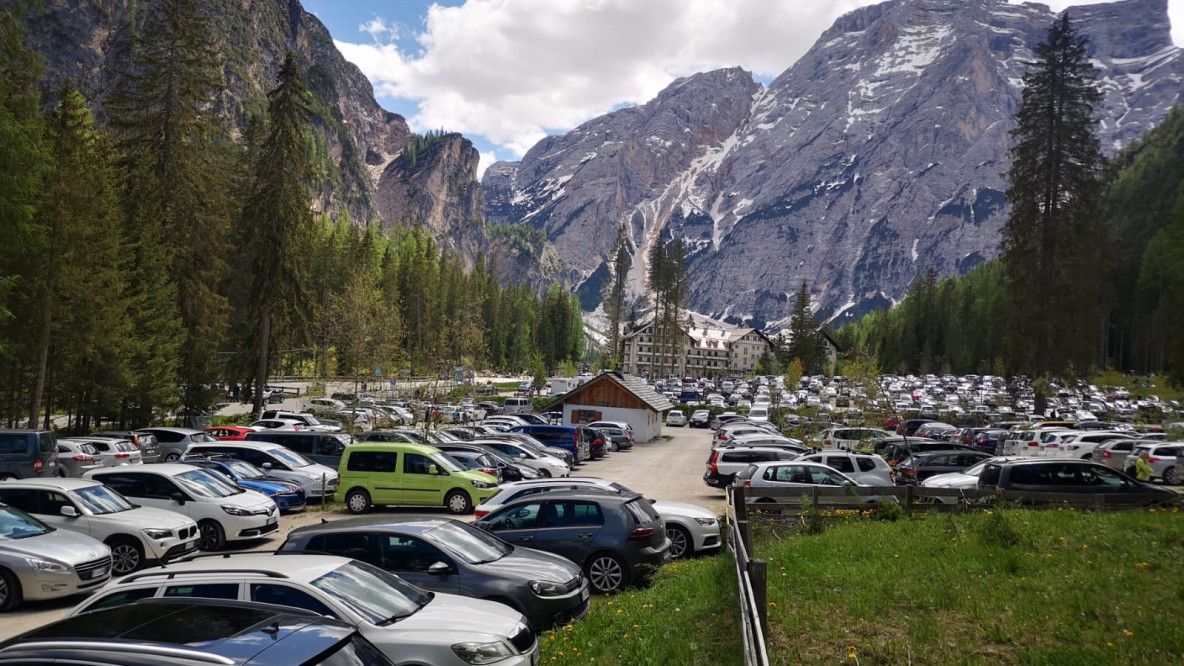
{"type": "Point", "coordinates": [10, 591]}
{"type": "Point", "coordinates": [544, 472]}
{"type": "Point", "coordinates": [6, 476]}
{"type": "Point", "coordinates": [681, 544]}
{"type": "Point", "coordinates": [211, 536]}
{"type": "Point", "coordinates": [616, 447]}
{"type": "Point", "coordinates": [1171, 475]}
{"type": "Point", "coordinates": [458, 502]}
{"type": "Point", "coordinates": [172, 457]}
{"type": "Point", "coordinates": [606, 573]}
{"type": "Point", "coordinates": [357, 501]}
{"type": "Point", "coordinates": [127, 555]}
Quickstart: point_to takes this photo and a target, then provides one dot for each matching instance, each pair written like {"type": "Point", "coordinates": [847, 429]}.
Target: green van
{"type": "Point", "coordinates": [383, 473]}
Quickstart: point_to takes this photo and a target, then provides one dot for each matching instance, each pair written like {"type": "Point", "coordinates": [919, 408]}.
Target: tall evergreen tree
{"type": "Point", "coordinates": [804, 340]}
{"type": "Point", "coordinates": [615, 292]}
{"type": "Point", "coordinates": [276, 227]}
{"type": "Point", "coordinates": [173, 139]}
{"type": "Point", "coordinates": [1052, 245]}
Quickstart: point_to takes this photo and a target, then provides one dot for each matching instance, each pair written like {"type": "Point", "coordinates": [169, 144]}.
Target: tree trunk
{"type": "Point", "coordinates": [261, 370]}
{"type": "Point", "coordinates": [42, 359]}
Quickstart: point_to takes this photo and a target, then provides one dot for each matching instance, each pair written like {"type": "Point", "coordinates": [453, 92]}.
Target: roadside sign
{"type": "Point", "coordinates": [378, 371]}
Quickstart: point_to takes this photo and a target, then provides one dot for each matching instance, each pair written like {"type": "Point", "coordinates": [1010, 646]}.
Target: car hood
{"type": "Point", "coordinates": [463, 616]}
{"type": "Point", "coordinates": [951, 480]}
{"type": "Point", "coordinates": [146, 517]}
{"type": "Point", "coordinates": [682, 509]}
{"type": "Point", "coordinates": [315, 470]}
{"type": "Point", "coordinates": [531, 564]}
{"type": "Point", "coordinates": [268, 486]}
{"type": "Point", "coordinates": [248, 499]}
{"type": "Point", "coordinates": [60, 545]}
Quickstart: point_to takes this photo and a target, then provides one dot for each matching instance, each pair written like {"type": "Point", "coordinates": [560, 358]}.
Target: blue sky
{"type": "Point", "coordinates": [505, 73]}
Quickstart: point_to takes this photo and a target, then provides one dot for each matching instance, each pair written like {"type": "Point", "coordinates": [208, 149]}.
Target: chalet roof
{"type": "Point", "coordinates": [630, 383]}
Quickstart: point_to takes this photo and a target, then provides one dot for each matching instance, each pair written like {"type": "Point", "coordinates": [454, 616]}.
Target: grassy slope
{"type": "Point", "coordinates": [1051, 587]}
{"type": "Point", "coordinates": [689, 615]}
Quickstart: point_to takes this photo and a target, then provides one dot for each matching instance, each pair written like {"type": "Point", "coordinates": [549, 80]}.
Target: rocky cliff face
{"type": "Point", "coordinates": [876, 156]}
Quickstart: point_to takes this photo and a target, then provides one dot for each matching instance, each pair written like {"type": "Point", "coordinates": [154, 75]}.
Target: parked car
{"type": "Point", "coordinates": [676, 419]}
{"type": "Point", "coordinates": [135, 534]}
{"type": "Point", "coordinates": [445, 555]}
{"type": "Point", "coordinates": [409, 474]}
{"type": "Point", "coordinates": [223, 512]}
{"type": "Point", "coordinates": [408, 624]}
{"type": "Point", "coordinates": [194, 632]}
{"type": "Point", "coordinates": [508, 470]}
{"type": "Point", "coordinates": [623, 425]}
{"type": "Point", "coordinates": [895, 452]}
{"type": "Point", "coordinates": [618, 439]}
{"type": "Point", "coordinates": [868, 469]}
{"type": "Point", "coordinates": [517, 406]}
{"type": "Point", "coordinates": [25, 454]}
{"type": "Point", "coordinates": [76, 457]}
{"type": "Point", "coordinates": [700, 418]}
{"type": "Point", "coordinates": [966, 479]}
{"type": "Point", "coordinates": [921, 466]}
{"type": "Point", "coordinates": [565, 437]}
{"type": "Point", "coordinates": [721, 419]}
{"type": "Point", "coordinates": [288, 496]}
{"type": "Point", "coordinates": [724, 463]}
{"type": "Point", "coordinates": [323, 448]}
{"type": "Point", "coordinates": [1113, 452]}
{"type": "Point", "coordinates": [690, 528]}
{"type": "Point", "coordinates": [1083, 445]}
{"type": "Point", "coordinates": [230, 433]}
{"type": "Point", "coordinates": [625, 544]}
{"type": "Point", "coordinates": [145, 441]}
{"type": "Point", "coordinates": [324, 406]}
{"type": "Point", "coordinates": [1068, 476]}
{"type": "Point", "coordinates": [39, 562]}
{"type": "Point", "coordinates": [850, 438]}
{"type": "Point", "coordinates": [535, 445]}
{"type": "Point", "coordinates": [305, 420]}
{"type": "Point", "coordinates": [174, 441]}
{"type": "Point", "coordinates": [276, 460]}
{"type": "Point", "coordinates": [796, 474]}
{"type": "Point", "coordinates": [115, 452]}
{"type": "Point", "coordinates": [517, 451]}
{"type": "Point", "coordinates": [1162, 457]}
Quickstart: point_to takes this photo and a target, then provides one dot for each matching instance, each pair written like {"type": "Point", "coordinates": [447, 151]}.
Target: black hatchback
{"type": "Point", "coordinates": [617, 540]}
{"type": "Point", "coordinates": [194, 632]}
{"type": "Point", "coordinates": [921, 466]}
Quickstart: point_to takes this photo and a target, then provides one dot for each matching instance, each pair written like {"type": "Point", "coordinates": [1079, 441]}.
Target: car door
{"type": "Point", "coordinates": [516, 524]}
{"type": "Point", "coordinates": [282, 594]}
{"type": "Point", "coordinates": [49, 511]}
{"type": "Point", "coordinates": [410, 557]}
{"type": "Point", "coordinates": [422, 481]}
{"type": "Point", "coordinates": [568, 527]}
{"type": "Point", "coordinates": [154, 490]}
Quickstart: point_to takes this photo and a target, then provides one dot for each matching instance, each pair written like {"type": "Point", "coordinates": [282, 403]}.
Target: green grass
{"type": "Point", "coordinates": [1140, 385]}
{"type": "Point", "coordinates": [1004, 586]}
{"type": "Point", "coordinates": [688, 615]}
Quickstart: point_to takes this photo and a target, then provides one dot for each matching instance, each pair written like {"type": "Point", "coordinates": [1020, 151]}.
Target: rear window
{"type": "Point", "coordinates": [865, 464]}
{"type": "Point", "coordinates": [47, 442]}
{"type": "Point", "coordinates": [641, 510]}
{"type": "Point", "coordinates": [990, 475]}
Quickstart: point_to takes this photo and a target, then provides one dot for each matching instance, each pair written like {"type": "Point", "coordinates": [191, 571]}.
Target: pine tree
{"type": "Point", "coordinates": [1052, 245]}
{"type": "Point", "coordinates": [615, 292]}
{"type": "Point", "coordinates": [170, 134]}
{"type": "Point", "coordinates": [277, 224]}
{"type": "Point", "coordinates": [803, 333]}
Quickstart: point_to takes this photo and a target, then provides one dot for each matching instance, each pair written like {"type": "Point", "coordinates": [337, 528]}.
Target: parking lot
{"type": "Point", "coordinates": [662, 470]}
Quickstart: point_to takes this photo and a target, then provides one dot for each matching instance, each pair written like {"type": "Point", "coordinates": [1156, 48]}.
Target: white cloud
{"type": "Point", "coordinates": [379, 30]}
{"type": "Point", "coordinates": [487, 158]}
{"type": "Point", "coordinates": [510, 70]}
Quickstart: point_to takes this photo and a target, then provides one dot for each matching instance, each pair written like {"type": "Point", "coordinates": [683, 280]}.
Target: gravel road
{"type": "Point", "coordinates": [661, 470]}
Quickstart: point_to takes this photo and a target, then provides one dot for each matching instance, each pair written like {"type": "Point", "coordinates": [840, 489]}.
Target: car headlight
{"type": "Point", "coordinates": [545, 588]}
{"type": "Point", "coordinates": [154, 533]}
{"type": "Point", "coordinates": [480, 484]}
{"type": "Point", "coordinates": [48, 566]}
{"type": "Point", "coordinates": [482, 653]}
{"type": "Point", "coordinates": [706, 521]}
{"type": "Point", "coordinates": [235, 511]}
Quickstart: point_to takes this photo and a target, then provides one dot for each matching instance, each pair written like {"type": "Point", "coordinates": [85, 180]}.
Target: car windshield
{"type": "Point", "coordinates": [16, 524]}
{"type": "Point", "coordinates": [447, 462]}
{"type": "Point", "coordinates": [203, 484]}
{"type": "Point", "coordinates": [290, 458]}
{"type": "Point", "coordinates": [245, 470]}
{"type": "Point", "coordinates": [379, 597]}
{"type": "Point", "coordinates": [469, 544]}
{"type": "Point", "coordinates": [101, 500]}
{"type": "Point", "coordinates": [202, 438]}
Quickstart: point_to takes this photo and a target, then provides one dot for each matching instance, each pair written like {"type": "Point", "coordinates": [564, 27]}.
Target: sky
{"type": "Point", "coordinates": [505, 73]}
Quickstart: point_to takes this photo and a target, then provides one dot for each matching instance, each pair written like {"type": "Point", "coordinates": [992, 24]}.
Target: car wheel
{"type": "Point", "coordinates": [680, 541]}
{"type": "Point", "coordinates": [457, 501]}
{"type": "Point", "coordinates": [357, 501]}
{"type": "Point", "coordinates": [211, 536]}
{"type": "Point", "coordinates": [606, 573]}
{"type": "Point", "coordinates": [10, 591]}
{"type": "Point", "coordinates": [126, 556]}
{"type": "Point", "coordinates": [6, 476]}
{"type": "Point", "coordinates": [616, 447]}
{"type": "Point", "coordinates": [544, 472]}
{"type": "Point", "coordinates": [1171, 476]}
{"type": "Point", "coordinates": [172, 457]}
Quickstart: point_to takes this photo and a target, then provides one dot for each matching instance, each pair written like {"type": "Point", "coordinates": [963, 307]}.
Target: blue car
{"type": "Point", "coordinates": [287, 495]}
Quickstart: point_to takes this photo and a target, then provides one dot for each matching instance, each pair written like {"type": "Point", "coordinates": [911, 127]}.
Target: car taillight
{"type": "Point", "coordinates": [81, 457]}
{"type": "Point", "coordinates": [490, 472]}
{"type": "Point", "coordinates": [123, 455]}
{"type": "Point", "coordinates": [1153, 460]}
{"type": "Point", "coordinates": [711, 465]}
{"type": "Point", "coordinates": [826, 442]}
{"type": "Point", "coordinates": [722, 437]}
{"type": "Point", "coordinates": [478, 514]}
{"type": "Point", "coordinates": [640, 533]}
{"type": "Point", "coordinates": [136, 440]}
{"type": "Point", "coordinates": [1106, 454]}
{"type": "Point", "coordinates": [747, 483]}
{"type": "Point", "coordinates": [36, 465]}
{"type": "Point", "coordinates": [1033, 443]}
{"type": "Point", "coordinates": [891, 476]}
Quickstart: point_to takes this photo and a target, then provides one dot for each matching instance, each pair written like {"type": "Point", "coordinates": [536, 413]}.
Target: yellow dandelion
{"type": "Point", "coordinates": [1150, 510]}
{"type": "Point", "coordinates": [619, 611]}
{"type": "Point", "coordinates": [990, 513]}
{"type": "Point", "coordinates": [1129, 633]}
{"type": "Point", "coordinates": [1109, 644]}
{"type": "Point", "coordinates": [636, 626]}
{"type": "Point", "coordinates": [1084, 546]}
{"type": "Point", "coordinates": [772, 604]}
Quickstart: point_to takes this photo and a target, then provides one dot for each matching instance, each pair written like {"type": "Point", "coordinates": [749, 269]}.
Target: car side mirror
{"type": "Point", "coordinates": [439, 569]}
{"type": "Point", "coordinates": [178, 498]}
{"type": "Point", "coordinates": [266, 465]}
{"type": "Point", "coordinates": [432, 469]}
{"type": "Point", "coordinates": [69, 512]}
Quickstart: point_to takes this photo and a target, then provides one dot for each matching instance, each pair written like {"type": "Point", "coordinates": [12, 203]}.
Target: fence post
{"type": "Point", "coordinates": [758, 574]}
{"type": "Point", "coordinates": [322, 492]}
{"type": "Point", "coordinates": [908, 499]}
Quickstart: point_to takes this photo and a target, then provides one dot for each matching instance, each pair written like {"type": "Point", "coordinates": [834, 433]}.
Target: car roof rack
{"type": "Point", "coordinates": [121, 646]}
{"type": "Point", "coordinates": [171, 574]}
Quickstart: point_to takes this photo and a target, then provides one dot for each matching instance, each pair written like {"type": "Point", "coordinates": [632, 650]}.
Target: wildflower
{"type": "Point", "coordinates": [1062, 538]}
{"type": "Point", "coordinates": [1084, 546]}
{"type": "Point", "coordinates": [990, 513]}
{"type": "Point", "coordinates": [619, 611]}
{"type": "Point", "coordinates": [625, 635]}
{"type": "Point", "coordinates": [1023, 578]}
{"type": "Point", "coordinates": [772, 604]}
{"type": "Point", "coordinates": [1150, 510]}
{"type": "Point", "coordinates": [1129, 633]}
{"type": "Point", "coordinates": [851, 655]}
{"type": "Point", "coordinates": [636, 626]}
{"type": "Point", "coordinates": [1109, 644]}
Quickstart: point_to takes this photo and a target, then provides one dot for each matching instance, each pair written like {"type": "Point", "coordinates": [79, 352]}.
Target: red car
{"type": "Point", "coordinates": [229, 433]}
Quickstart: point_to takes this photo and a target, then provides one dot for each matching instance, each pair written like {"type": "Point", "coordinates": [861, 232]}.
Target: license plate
{"type": "Point", "coordinates": [584, 595]}
{"type": "Point", "coordinates": [272, 520]}
{"type": "Point", "coordinates": [99, 573]}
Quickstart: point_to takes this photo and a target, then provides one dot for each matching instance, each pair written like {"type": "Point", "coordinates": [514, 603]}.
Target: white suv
{"type": "Point", "coordinates": [223, 512]}
{"type": "Point", "coordinates": [134, 533]}
{"type": "Point", "coordinates": [868, 469]}
{"type": "Point", "coordinates": [408, 624]}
